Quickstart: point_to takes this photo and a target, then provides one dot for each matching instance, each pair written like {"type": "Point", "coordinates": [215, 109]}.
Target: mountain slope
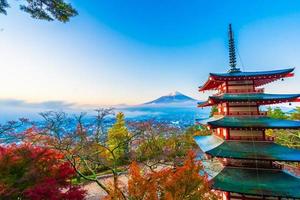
{"type": "Point", "coordinates": [175, 97]}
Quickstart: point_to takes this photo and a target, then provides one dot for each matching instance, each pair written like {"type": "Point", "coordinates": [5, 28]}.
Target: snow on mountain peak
{"type": "Point", "coordinates": [175, 93]}
{"type": "Point", "coordinates": [174, 97]}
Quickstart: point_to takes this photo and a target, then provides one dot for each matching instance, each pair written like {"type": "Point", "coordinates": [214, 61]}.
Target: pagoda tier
{"type": "Point", "coordinates": [256, 78]}
{"type": "Point", "coordinates": [249, 150]}
{"type": "Point", "coordinates": [243, 183]}
{"type": "Point", "coordinates": [249, 122]}
{"type": "Point", "coordinates": [256, 98]}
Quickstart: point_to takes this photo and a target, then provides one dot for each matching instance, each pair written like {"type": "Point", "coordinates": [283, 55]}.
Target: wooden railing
{"type": "Point", "coordinates": [233, 91]}
{"type": "Point", "coordinates": [257, 90]}
{"type": "Point", "coordinates": [245, 113]}
{"type": "Point", "coordinates": [248, 138]}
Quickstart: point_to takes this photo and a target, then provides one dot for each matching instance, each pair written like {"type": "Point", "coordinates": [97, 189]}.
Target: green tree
{"type": "Point", "coordinates": [290, 138]}
{"type": "Point", "coordinates": [276, 113]}
{"type": "Point", "coordinates": [213, 110]}
{"type": "Point", "coordinates": [85, 146]}
{"type": "Point", "coordinates": [197, 130]}
{"type": "Point", "coordinates": [44, 9]}
{"type": "Point", "coordinates": [117, 138]}
{"type": "Point", "coordinates": [161, 144]}
{"type": "Point", "coordinates": [296, 114]}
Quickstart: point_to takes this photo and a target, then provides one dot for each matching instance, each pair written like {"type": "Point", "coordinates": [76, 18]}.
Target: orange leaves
{"type": "Point", "coordinates": [185, 182]}
{"type": "Point", "coordinates": [181, 183]}
{"type": "Point", "coordinates": [115, 191]}
{"type": "Point", "coordinates": [33, 136]}
{"type": "Point", "coordinates": [141, 187]}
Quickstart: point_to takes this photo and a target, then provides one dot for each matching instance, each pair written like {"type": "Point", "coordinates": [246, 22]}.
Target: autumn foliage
{"type": "Point", "coordinates": [45, 158]}
{"type": "Point", "coordinates": [181, 183]}
{"type": "Point", "coordinates": [32, 172]}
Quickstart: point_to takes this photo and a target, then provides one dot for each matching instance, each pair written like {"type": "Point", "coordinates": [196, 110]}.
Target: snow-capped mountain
{"type": "Point", "coordinates": [174, 97]}
{"type": "Point", "coordinates": [175, 108]}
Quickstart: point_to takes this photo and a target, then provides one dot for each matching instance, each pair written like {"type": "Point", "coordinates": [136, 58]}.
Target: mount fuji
{"type": "Point", "coordinates": [174, 108]}
{"type": "Point", "coordinates": [172, 98]}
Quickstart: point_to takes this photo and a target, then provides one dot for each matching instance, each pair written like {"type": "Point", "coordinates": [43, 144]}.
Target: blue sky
{"type": "Point", "coordinates": [133, 51]}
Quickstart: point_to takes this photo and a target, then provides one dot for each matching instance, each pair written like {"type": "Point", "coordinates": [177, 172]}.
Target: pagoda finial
{"type": "Point", "coordinates": [232, 59]}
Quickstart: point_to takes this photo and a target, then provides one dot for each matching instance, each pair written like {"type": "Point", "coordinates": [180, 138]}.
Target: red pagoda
{"type": "Point", "coordinates": [250, 161]}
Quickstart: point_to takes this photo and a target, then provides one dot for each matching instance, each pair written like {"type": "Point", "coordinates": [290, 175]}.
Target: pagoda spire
{"type": "Point", "coordinates": [232, 59]}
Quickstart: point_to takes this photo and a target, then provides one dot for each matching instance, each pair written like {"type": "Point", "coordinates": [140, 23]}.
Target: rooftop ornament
{"type": "Point", "coordinates": [232, 59]}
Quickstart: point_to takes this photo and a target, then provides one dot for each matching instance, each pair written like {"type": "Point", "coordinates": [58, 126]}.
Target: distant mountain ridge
{"type": "Point", "coordinates": [174, 97]}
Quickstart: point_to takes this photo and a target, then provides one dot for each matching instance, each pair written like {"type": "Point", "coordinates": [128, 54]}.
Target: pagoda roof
{"type": "Point", "coordinates": [252, 74]}
{"type": "Point", "coordinates": [251, 122]}
{"type": "Point", "coordinates": [260, 98]}
{"type": "Point", "coordinates": [259, 78]}
{"type": "Point", "coordinates": [261, 182]}
{"type": "Point", "coordinates": [254, 150]}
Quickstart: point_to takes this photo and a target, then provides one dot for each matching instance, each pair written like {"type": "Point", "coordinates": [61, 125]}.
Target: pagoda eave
{"type": "Point", "coordinates": [214, 101]}
{"type": "Point", "coordinates": [259, 78]}
{"type": "Point", "coordinates": [260, 182]}
{"type": "Point", "coordinates": [246, 150]}
{"type": "Point", "coordinates": [251, 123]}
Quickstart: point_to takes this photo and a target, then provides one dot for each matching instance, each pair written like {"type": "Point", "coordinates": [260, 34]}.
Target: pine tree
{"type": "Point", "coordinates": [49, 10]}
{"type": "Point", "coordinates": [118, 137]}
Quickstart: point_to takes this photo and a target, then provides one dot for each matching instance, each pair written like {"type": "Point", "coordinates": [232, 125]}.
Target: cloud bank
{"type": "Point", "coordinates": [12, 109]}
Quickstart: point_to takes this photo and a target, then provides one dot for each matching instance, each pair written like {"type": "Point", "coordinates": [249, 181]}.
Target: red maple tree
{"type": "Point", "coordinates": [33, 172]}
